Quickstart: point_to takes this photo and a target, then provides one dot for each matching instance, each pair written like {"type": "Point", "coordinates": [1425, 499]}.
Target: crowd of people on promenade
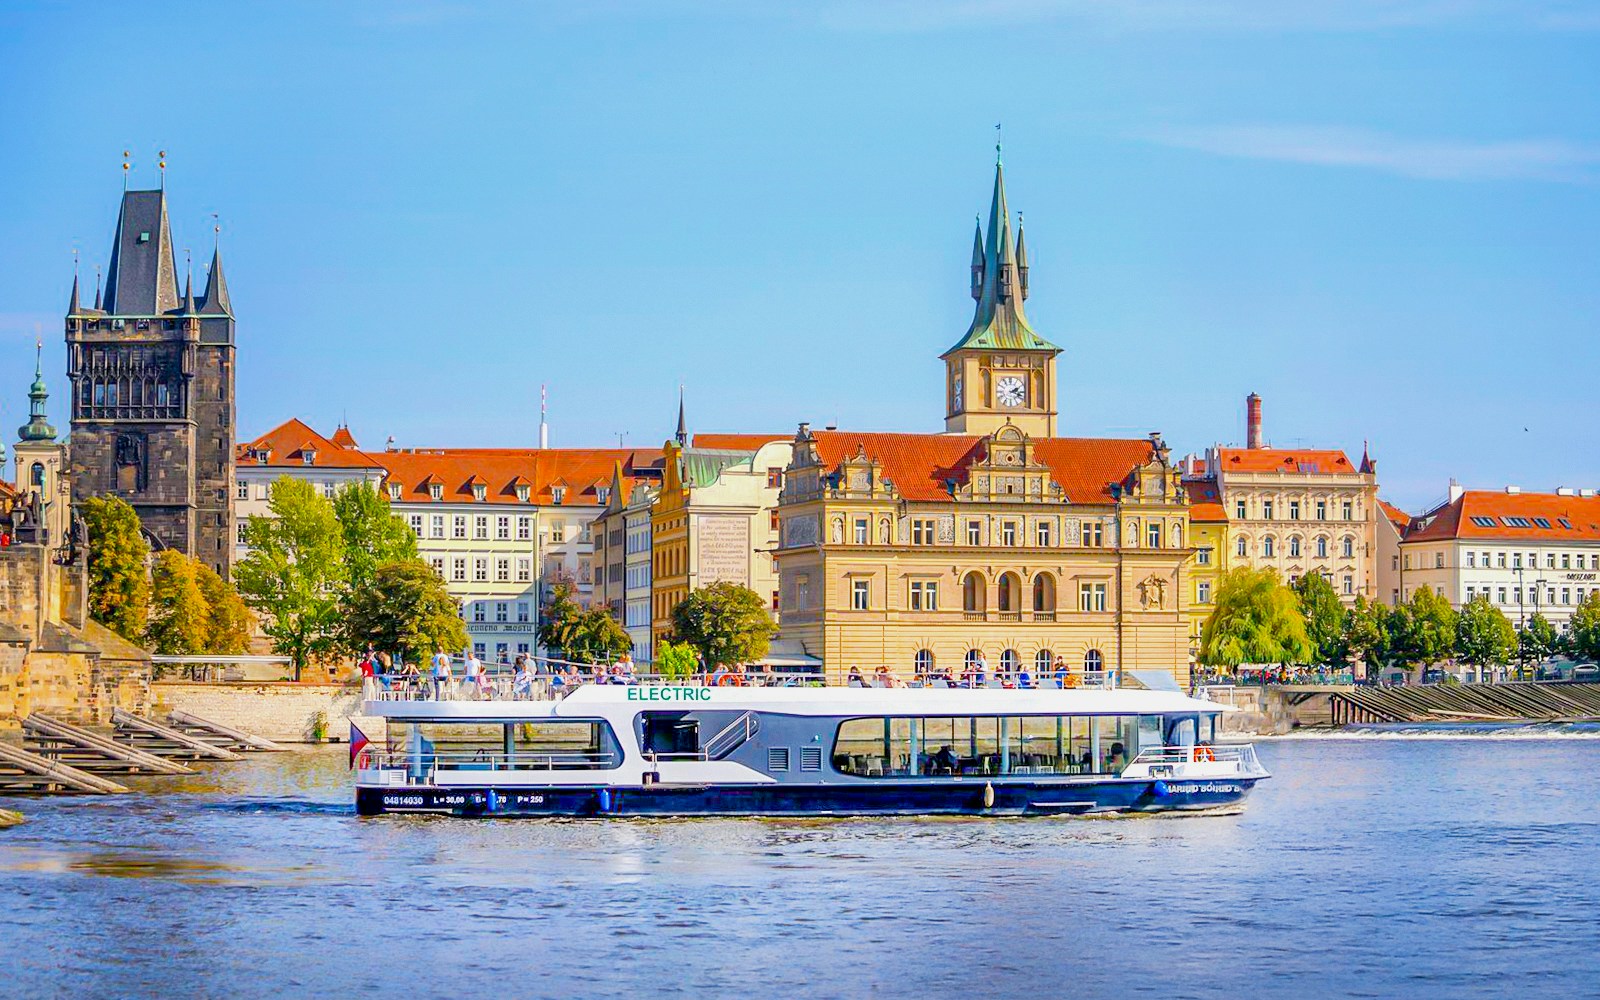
{"type": "Point", "coordinates": [976, 674]}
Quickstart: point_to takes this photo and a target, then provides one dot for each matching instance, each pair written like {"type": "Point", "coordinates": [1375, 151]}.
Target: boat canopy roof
{"type": "Point", "coordinates": [595, 700]}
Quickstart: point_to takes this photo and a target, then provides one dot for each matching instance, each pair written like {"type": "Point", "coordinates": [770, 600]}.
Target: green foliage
{"type": "Point", "coordinates": [1366, 633]}
{"type": "Point", "coordinates": [405, 608]}
{"type": "Point", "coordinates": [558, 621]}
{"type": "Point", "coordinates": [1536, 640]}
{"type": "Point", "coordinates": [588, 636]}
{"type": "Point", "coordinates": [727, 623]}
{"type": "Point", "coordinates": [600, 637]}
{"type": "Point", "coordinates": [1421, 630]}
{"type": "Point", "coordinates": [1484, 636]}
{"type": "Point", "coordinates": [1324, 614]}
{"type": "Point", "coordinates": [295, 571]}
{"type": "Point", "coordinates": [675, 660]}
{"type": "Point", "coordinates": [119, 584]}
{"type": "Point", "coordinates": [228, 618]}
{"type": "Point", "coordinates": [1256, 620]}
{"type": "Point", "coordinates": [372, 534]}
{"type": "Point", "coordinates": [179, 615]}
{"type": "Point", "coordinates": [1583, 631]}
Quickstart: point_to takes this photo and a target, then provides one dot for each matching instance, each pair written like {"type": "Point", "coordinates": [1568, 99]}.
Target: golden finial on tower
{"type": "Point", "coordinates": [161, 164]}
{"type": "Point", "coordinates": [127, 165]}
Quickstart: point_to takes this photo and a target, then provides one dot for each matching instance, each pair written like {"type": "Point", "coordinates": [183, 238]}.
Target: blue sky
{"type": "Point", "coordinates": [1382, 215]}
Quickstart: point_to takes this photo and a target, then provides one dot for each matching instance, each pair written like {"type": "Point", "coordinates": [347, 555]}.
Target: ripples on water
{"type": "Point", "coordinates": [1366, 867]}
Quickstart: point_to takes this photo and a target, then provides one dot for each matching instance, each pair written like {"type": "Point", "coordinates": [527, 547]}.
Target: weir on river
{"type": "Point", "coordinates": [1512, 702]}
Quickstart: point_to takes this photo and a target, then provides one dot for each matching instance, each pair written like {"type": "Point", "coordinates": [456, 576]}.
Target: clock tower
{"type": "Point", "coordinates": [1000, 371]}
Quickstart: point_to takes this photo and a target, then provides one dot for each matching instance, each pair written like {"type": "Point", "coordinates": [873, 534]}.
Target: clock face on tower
{"type": "Point", "coordinates": [1010, 391]}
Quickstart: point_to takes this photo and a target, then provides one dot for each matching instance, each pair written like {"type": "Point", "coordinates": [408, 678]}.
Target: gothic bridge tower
{"type": "Point", "coordinates": [152, 389]}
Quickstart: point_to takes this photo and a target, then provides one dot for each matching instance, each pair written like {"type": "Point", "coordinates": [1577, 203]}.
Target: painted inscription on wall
{"type": "Point", "coordinates": [724, 548]}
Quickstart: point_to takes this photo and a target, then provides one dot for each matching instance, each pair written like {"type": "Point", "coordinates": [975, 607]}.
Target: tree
{"type": "Point", "coordinates": [1324, 615]}
{"type": "Point", "coordinates": [119, 583]}
{"type": "Point", "coordinates": [1256, 619]}
{"type": "Point", "coordinates": [294, 572]}
{"type": "Point", "coordinates": [1366, 633]}
{"type": "Point", "coordinates": [228, 621]}
{"type": "Point", "coordinates": [675, 660]}
{"type": "Point", "coordinates": [558, 621]}
{"type": "Point", "coordinates": [1583, 631]}
{"type": "Point", "coordinates": [1422, 630]}
{"type": "Point", "coordinates": [599, 636]}
{"type": "Point", "coordinates": [1536, 640]}
{"type": "Point", "coordinates": [404, 608]}
{"type": "Point", "coordinates": [372, 534]}
{"type": "Point", "coordinates": [1484, 636]}
{"type": "Point", "coordinates": [727, 623]}
{"type": "Point", "coordinates": [179, 615]}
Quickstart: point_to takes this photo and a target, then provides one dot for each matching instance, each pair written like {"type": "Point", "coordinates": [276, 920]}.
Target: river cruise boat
{"type": "Point", "coordinates": [691, 750]}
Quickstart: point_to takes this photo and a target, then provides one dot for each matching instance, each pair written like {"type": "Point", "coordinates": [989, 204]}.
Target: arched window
{"type": "Point", "coordinates": [1041, 662]}
{"type": "Point", "coordinates": [924, 661]}
{"type": "Point", "coordinates": [1093, 662]}
{"type": "Point", "coordinates": [1007, 596]}
{"type": "Point", "coordinates": [1322, 548]}
{"type": "Point", "coordinates": [1294, 546]}
{"type": "Point", "coordinates": [1009, 661]}
{"type": "Point", "coordinates": [970, 661]}
{"type": "Point", "coordinates": [1242, 548]}
{"type": "Point", "coordinates": [1348, 547]}
{"type": "Point", "coordinates": [973, 592]}
{"type": "Point", "coordinates": [1267, 547]}
{"type": "Point", "coordinates": [36, 474]}
{"type": "Point", "coordinates": [1044, 592]}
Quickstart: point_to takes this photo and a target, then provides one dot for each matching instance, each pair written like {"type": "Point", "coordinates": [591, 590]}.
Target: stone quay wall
{"type": "Point", "coordinates": [283, 712]}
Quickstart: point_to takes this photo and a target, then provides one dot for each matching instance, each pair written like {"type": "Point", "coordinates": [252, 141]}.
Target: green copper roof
{"type": "Point", "coordinates": [999, 323]}
{"type": "Point", "coordinates": [702, 466]}
{"type": "Point", "coordinates": [38, 426]}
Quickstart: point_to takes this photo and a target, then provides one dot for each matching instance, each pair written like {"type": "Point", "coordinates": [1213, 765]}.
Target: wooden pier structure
{"type": "Point", "coordinates": [137, 731]}
{"type": "Point", "coordinates": [1513, 702]}
{"type": "Point", "coordinates": [87, 751]}
{"type": "Point", "coordinates": [222, 736]}
{"type": "Point", "coordinates": [24, 773]}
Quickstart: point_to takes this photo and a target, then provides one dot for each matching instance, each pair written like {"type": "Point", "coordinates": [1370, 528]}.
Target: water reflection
{"type": "Point", "coordinates": [1365, 867]}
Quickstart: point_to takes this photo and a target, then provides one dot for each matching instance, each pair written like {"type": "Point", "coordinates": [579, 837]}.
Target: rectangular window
{"type": "Point", "coordinates": [478, 611]}
{"type": "Point", "coordinates": [859, 591]}
{"type": "Point", "coordinates": [458, 568]}
{"type": "Point", "coordinates": [241, 526]}
{"type": "Point", "coordinates": [774, 479]}
{"type": "Point", "coordinates": [415, 520]}
{"type": "Point", "coordinates": [459, 528]}
{"type": "Point", "coordinates": [1566, 560]}
{"type": "Point", "coordinates": [502, 570]}
{"type": "Point", "coordinates": [1153, 535]}
{"type": "Point", "coordinates": [480, 569]}
{"type": "Point", "coordinates": [1202, 557]}
{"type": "Point", "coordinates": [860, 531]}
{"type": "Point", "coordinates": [1202, 592]}
{"type": "Point", "coordinates": [524, 528]}
{"type": "Point", "coordinates": [1347, 511]}
{"type": "Point", "coordinates": [502, 527]}
{"type": "Point", "coordinates": [1500, 559]}
{"type": "Point", "coordinates": [1294, 510]}
{"type": "Point", "coordinates": [1516, 560]}
{"type": "Point", "coordinates": [522, 611]}
{"type": "Point", "coordinates": [502, 611]}
{"type": "Point", "coordinates": [1472, 559]}
{"type": "Point", "coordinates": [524, 570]}
{"type": "Point", "coordinates": [480, 526]}
{"type": "Point", "coordinates": [436, 528]}
{"type": "Point", "coordinates": [1091, 597]}
{"type": "Point", "coordinates": [1438, 560]}
{"type": "Point", "coordinates": [1094, 535]}
{"type": "Point", "coordinates": [558, 532]}
{"type": "Point", "coordinates": [242, 491]}
{"type": "Point", "coordinates": [1266, 510]}
{"type": "Point", "coordinates": [1322, 510]}
{"type": "Point", "coordinates": [1041, 534]}
{"type": "Point", "coordinates": [1349, 584]}
{"type": "Point", "coordinates": [1008, 533]}
{"type": "Point", "coordinates": [974, 532]}
{"type": "Point", "coordinates": [922, 531]}
{"type": "Point", "coordinates": [924, 595]}
{"type": "Point", "coordinates": [437, 562]}
{"type": "Point", "coordinates": [1500, 593]}
{"type": "Point", "coordinates": [1239, 510]}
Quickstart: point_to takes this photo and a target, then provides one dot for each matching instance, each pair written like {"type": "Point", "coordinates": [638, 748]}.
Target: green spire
{"type": "Point", "coordinates": [38, 427]}
{"type": "Point", "coordinates": [999, 283]}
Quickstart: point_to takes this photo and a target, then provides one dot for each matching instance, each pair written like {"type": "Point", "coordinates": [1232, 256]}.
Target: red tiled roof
{"type": "Point", "coordinates": [1399, 518]}
{"type": "Point", "coordinates": [287, 443]}
{"type": "Point", "coordinates": [1205, 501]}
{"type": "Point", "coordinates": [920, 464]}
{"type": "Point", "coordinates": [582, 471]}
{"type": "Point", "coordinates": [738, 442]}
{"type": "Point", "coordinates": [1546, 517]}
{"type": "Point", "coordinates": [1325, 461]}
{"type": "Point", "coordinates": [344, 439]}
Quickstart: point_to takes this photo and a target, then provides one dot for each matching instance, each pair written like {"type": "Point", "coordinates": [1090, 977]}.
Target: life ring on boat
{"type": "Point", "coordinates": [1204, 755]}
{"type": "Point", "coordinates": [730, 680]}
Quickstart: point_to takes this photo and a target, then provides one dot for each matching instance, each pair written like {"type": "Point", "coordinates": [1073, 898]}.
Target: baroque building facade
{"type": "Point", "coordinates": [152, 374]}
{"type": "Point", "coordinates": [995, 542]}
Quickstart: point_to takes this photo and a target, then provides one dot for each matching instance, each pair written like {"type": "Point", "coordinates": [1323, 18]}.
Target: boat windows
{"type": "Point", "coordinates": [990, 745]}
{"type": "Point", "coordinates": [500, 746]}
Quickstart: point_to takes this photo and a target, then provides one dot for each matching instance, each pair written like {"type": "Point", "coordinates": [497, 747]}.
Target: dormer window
{"type": "Point", "coordinates": [522, 494]}
{"type": "Point", "coordinates": [436, 491]}
{"type": "Point", "coordinates": [309, 457]}
{"type": "Point", "coordinates": [394, 492]}
{"type": "Point", "coordinates": [603, 493]}
{"type": "Point", "coordinates": [479, 491]}
{"type": "Point", "coordinates": [558, 494]}
{"type": "Point", "coordinates": [261, 456]}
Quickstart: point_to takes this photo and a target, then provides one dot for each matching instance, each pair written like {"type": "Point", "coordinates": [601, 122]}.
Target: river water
{"type": "Point", "coordinates": [1376, 867]}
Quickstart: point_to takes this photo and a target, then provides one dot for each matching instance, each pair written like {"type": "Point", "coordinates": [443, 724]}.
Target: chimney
{"type": "Point", "coordinates": [1513, 490]}
{"type": "Point", "coordinates": [1566, 491]}
{"type": "Point", "coordinates": [1252, 421]}
{"type": "Point", "coordinates": [1455, 491]}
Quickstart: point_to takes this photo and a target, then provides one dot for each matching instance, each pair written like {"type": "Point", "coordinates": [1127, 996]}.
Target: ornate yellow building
{"type": "Point", "coordinates": [997, 540]}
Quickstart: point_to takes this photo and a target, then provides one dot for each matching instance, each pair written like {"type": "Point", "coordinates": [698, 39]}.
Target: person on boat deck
{"type": "Point", "coordinates": [944, 762]}
{"type": "Point", "coordinates": [522, 680]}
{"type": "Point", "coordinates": [624, 666]}
{"type": "Point", "coordinates": [855, 676]}
{"type": "Point", "coordinates": [1118, 758]}
{"type": "Point", "coordinates": [1024, 679]}
{"type": "Point", "coordinates": [441, 675]}
{"type": "Point", "coordinates": [477, 681]}
{"type": "Point", "coordinates": [382, 669]}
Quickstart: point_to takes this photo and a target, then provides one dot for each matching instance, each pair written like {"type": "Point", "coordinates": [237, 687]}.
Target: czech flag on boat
{"type": "Point", "coordinates": [358, 743]}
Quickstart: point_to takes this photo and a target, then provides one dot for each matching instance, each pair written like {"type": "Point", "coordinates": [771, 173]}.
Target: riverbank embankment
{"type": "Point", "coordinates": [281, 711]}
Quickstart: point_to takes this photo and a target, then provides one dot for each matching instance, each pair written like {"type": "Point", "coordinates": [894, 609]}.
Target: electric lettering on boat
{"type": "Point", "coordinates": [669, 694]}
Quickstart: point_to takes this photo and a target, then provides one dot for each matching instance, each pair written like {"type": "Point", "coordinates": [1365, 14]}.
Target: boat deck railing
{"type": "Point", "coordinates": [1242, 754]}
{"type": "Point", "coordinates": [488, 760]}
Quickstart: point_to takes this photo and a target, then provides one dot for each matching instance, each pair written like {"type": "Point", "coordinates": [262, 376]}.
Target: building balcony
{"type": "Point", "coordinates": [1044, 616]}
{"type": "Point", "coordinates": [974, 616]}
{"type": "Point", "coordinates": [1008, 616]}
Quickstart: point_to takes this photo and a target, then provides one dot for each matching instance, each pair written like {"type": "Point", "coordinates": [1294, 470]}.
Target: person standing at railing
{"type": "Point", "coordinates": [441, 675]}
{"type": "Point", "coordinates": [522, 681]}
{"type": "Point", "coordinates": [477, 680]}
{"type": "Point", "coordinates": [365, 666]}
